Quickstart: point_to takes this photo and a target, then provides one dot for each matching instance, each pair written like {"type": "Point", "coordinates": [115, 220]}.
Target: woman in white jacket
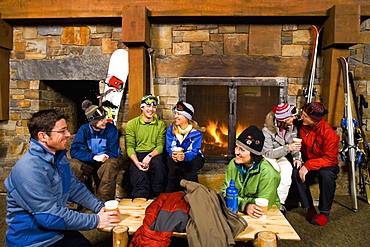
{"type": "Point", "coordinates": [279, 132]}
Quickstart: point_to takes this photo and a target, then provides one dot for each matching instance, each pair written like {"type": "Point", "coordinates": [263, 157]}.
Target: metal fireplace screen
{"type": "Point", "coordinates": [227, 106]}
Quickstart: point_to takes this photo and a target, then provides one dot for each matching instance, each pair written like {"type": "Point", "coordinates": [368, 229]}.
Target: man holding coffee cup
{"type": "Point", "coordinates": [39, 186]}
{"type": "Point", "coordinates": [282, 145]}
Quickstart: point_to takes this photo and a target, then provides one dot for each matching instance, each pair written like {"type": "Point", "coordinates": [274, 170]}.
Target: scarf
{"type": "Point", "coordinates": [181, 134]}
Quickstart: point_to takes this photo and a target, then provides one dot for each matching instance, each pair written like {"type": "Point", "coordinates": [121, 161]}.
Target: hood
{"type": "Point", "coordinates": [270, 122]}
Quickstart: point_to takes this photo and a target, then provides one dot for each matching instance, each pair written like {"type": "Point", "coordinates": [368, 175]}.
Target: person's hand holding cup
{"type": "Point", "coordinates": [296, 144]}
{"type": "Point", "coordinates": [109, 215]}
{"type": "Point", "coordinates": [178, 154]}
{"type": "Point", "coordinates": [263, 204]}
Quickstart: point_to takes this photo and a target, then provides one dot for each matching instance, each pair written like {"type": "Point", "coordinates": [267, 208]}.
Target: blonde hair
{"type": "Point", "coordinates": [193, 123]}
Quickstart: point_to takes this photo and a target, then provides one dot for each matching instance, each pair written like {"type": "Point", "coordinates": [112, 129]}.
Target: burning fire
{"type": "Point", "coordinates": [219, 133]}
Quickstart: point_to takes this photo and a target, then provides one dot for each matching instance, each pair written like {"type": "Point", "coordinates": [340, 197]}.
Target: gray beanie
{"type": "Point", "coordinates": [93, 113]}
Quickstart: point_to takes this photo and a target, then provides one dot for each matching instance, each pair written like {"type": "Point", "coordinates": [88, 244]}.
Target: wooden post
{"type": "Point", "coordinates": [340, 31]}
{"type": "Point", "coordinates": [120, 236]}
{"type": "Point", "coordinates": [266, 239]}
{"type": "Point", "coordinates": [6, 44]}
{"type": "Point", "coordinates": [136, 36]}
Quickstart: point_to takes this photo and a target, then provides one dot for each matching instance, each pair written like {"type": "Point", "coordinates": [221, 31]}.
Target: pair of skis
{"type": "Point", "coordinates": [355, 147]}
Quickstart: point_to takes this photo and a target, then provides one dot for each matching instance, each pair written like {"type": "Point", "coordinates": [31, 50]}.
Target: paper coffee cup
{"type": "Point", "coordinates": [111, 205]}
{"type": "Point", "coordinates": [263, 203]}
{"type": "Point", "coordinates": [297, 140]}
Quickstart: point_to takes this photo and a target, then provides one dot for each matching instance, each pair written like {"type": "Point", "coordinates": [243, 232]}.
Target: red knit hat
{"type": "Point", "coordinates": [284, 111]}
{"type": "Point", "coordinates": [315, 110]}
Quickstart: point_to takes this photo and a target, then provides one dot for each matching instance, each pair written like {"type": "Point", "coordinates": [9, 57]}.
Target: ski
{"type": "Point", "coordinates": [310, 91]}
{"type": "Point", "coordinates": [363, 152]}
{"type": "Point", "coordinates": [348, 152]}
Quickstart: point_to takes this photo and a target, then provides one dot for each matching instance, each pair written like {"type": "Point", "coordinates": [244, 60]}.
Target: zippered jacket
{"type": "Point", "coordinates": [320, 145]}
{"type": "Point", "coordinates": [275, 145]}
{"type": "Point", "coordinates": [38, 189]}
{"type": "Point", "coordinates": [191, 144]}
{"type": "Point", "coordinates": [89, 142]}
{"type": "Point", "coordinates": [261, 182]}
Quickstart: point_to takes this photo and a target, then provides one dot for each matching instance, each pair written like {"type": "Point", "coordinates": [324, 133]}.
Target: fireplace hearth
{"type": "Point", "coordinates": [226, 106]}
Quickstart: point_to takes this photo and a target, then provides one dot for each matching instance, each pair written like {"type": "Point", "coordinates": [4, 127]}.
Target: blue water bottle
{"type": "Point", "coordinates": [232, 197]}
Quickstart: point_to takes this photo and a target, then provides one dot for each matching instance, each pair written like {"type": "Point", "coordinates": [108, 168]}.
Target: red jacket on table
{"type": "Point", "coordinates": [320, 145]}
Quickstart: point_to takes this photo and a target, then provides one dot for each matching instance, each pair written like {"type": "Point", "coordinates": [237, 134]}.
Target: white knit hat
{"type": "Point", "coordinates": [185, 109]}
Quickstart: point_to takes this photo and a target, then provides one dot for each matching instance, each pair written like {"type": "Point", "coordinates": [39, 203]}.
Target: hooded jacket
{"type": "Point", "coordinates": [38, 189]}
{"type": "Point", "coordinates": [191, 144]}
{"type": "Point", "coordinates": [89, 142]}
{"type": "Point", "coordinates": [275, 145]}
{"type": "Point", "coordinates": [260, 182]}
{"type": "Point", "coordinates": [320, 145]}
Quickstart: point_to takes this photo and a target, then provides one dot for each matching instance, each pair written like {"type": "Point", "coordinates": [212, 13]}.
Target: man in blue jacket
{"type": "Point", "coordinates": [39, 186]}
{"type": "Point", "coordinates": [95, 149]}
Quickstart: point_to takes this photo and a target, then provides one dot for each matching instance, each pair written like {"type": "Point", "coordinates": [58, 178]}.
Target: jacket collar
{"type": "Point", "coordinates": [37, 149]}
{"type": "Point", "coordinates": [153, 122]}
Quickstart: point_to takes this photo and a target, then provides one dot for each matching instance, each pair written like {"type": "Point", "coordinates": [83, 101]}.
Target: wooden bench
{"type": "Point", "coordinates": [274, 227]}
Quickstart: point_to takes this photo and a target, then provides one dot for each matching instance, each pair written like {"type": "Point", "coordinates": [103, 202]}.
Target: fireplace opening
{"type": "Point", "coordinates": [227, 106]}
{"type": "Point", "coordinates": [68, 95]}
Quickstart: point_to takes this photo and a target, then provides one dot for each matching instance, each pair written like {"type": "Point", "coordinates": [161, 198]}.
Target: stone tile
{"type": "Point", "coordinates": [19, 47]}
{"type": "Point", "coordinates": [55, 30]}
{"type": "Point", "coordinates": [236, 44]}
{"type": "Point", "coordinates": [365, 37]}
{"type": "Point", "coordinates": [213, 48]}
{"type": "Point", "coordinates": [162, 37]}
{"type": "Point", "coordinates": [24, 103]}
{"type": "Point", "coordinates": [291, 50]}
{"type": "Point", "coordinates": [198, 35]}
{"type": "Point", "coordinates": [75, 36]}
{"type": "Point", "coordinates": [181, 48]}
{"type": "Point", "coordinates": [29, 33]}
{"type": "Point", "coordinates": [242, 28]}
{"type": "Point", "coordinates": [196, 51]}
{"type": "Point", "coordinates": [109, 46]}
{"type": "Point", "coordinates": [265, 40]}
{"type": "Point", "coordinates": [226, 29]}
{"type": "Point", "coordinates": [302, 37]}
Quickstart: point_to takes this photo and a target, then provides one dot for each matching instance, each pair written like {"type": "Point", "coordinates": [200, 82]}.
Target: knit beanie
{"type": "Point", "coordinates": [251, 139]}
{"type": "Point", "coordinates": [93, 113]}
{"type": "Point", "coordinates": [284, 111]}
{"type": "Point", "coordinates": [185, 109]}
{"type": "Point", "coordinates": [315, 110]}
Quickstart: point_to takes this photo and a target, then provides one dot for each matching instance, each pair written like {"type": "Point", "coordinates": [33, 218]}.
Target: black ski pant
{"type": "Point", "coordinates": [326, 177]}
{"type": "Point", "coordinates": [182, 170]}
{"type": "Point", "coordinates": [148, 184]}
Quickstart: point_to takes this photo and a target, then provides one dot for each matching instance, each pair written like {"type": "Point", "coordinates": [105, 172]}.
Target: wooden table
{"type": "Point", "coordinates": [133, 213]}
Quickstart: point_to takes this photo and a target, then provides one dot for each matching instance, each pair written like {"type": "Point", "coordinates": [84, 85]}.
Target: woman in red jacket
{"type": "Point", "coordinates": [319, 154]}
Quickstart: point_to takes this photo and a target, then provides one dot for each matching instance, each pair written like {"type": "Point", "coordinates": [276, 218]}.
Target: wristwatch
{"type": "Point", "coordinates": [150, 156]}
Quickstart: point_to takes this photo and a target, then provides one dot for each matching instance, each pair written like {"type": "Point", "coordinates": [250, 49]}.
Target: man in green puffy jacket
{"type": "Point", "coordinates": [254, 176]}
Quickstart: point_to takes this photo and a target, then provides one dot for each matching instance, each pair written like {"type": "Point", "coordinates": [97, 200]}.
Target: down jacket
{"type": "Point", "coordinates": [167, 213]}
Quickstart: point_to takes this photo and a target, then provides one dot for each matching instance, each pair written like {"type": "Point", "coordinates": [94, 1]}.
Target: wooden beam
{"type": "Point", "coordinates": [136, 79]}
{"type": "Point", "coordinates": [342, 27]}
{"type": "Point", "coordinates": [163, 8]}
{"type": "Point", "coordinates": [332, 85]}
{"type": "Point", "coordinates": [6, 44]}
{"type": "Point", "coordinates": [135, 26]}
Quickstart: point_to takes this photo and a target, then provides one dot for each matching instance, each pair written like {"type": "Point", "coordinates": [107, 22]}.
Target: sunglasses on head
{"type": "Point", "coordinates": [99, 113]}
{"type": "Point", "coordinates": [181, 107]}
{"type": "Point", "coordinates": [150, 100]}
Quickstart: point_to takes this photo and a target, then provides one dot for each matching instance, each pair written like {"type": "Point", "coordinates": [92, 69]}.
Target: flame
{"type": "Point", "coordinates": [212, 130]}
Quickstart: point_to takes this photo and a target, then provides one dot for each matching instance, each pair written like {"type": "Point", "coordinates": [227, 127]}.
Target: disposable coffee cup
{"type": "Point", "coordinates": [111, 205]}
{"type": "Point", "coordinates": [297, 140]}
{"type": "Point", "coordinates": [177, 150]}
{"type": "Point", "coordinates": [263, 203]}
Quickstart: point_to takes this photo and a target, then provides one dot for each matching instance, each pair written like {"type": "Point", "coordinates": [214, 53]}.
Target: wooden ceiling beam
{"type": "Point", "coordinates": [42, 9]}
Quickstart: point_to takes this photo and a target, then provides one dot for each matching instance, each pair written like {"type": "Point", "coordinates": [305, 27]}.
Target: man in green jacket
{"type": "Point", "coordinates": [254, 176]}
{"type": "Point", "coordinates": [145, 138]}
